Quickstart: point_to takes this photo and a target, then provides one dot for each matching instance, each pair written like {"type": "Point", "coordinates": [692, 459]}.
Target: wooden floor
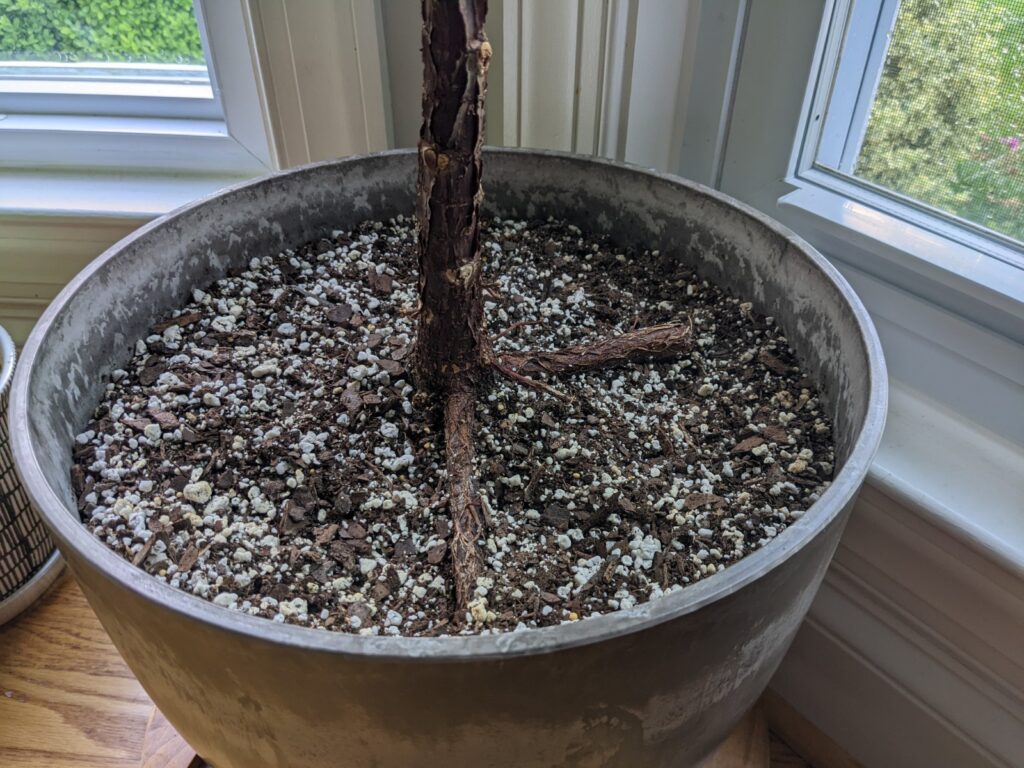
{"type": "Point", "coordinates": [68, 701]}
{"type": "Point", "coordinates": [66, 698]}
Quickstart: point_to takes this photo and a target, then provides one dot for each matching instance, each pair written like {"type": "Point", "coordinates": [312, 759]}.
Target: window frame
{"type": "Point", "coordinates": [970, 270]}
{"type": "Point", "coordinates": [951, 317]}
{"type": "Point", "coordinates": [109, 89]}
{"type": "Point", "coordinates": [860, 52]}
{"type": "Point", "coordinates": [847, 81]}
{"type": "Point", "coordinates": [104, 128]}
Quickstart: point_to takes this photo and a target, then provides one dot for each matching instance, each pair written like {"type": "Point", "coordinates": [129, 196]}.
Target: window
{"type": "Point", "coordinates": [946, 294]}
{"type": "Point", "coordinates": [103, 57]}
{"type": "Point", "coordinates": [129, 86]}
{"type": "Point", "coordinates": [926, 109]}
{"type": "Point", "coordinates": [948, 119]}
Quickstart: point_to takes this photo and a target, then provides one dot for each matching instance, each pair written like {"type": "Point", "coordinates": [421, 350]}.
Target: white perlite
{"type": "Point", "coordinates": [200, 492]}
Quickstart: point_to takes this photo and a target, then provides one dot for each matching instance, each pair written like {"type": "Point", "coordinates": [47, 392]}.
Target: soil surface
{"type": "Point", "coordinates": [265, 448]}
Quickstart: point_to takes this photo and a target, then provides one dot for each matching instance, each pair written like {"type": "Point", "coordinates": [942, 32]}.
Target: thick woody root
{"type": "Point", "coordinates": [656, 342]}
{"type": "Point", "coordinates": [463, 501]}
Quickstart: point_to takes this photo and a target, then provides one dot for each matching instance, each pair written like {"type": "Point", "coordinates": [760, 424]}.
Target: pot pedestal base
{"type": "Point", "coordinates": [748, 746]}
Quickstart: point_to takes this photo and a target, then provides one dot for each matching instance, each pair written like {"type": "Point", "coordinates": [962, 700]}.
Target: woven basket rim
{"type": "Point", "coordinates": [6, 362]}
{"type": "Point", "coordinates": [25, 595]}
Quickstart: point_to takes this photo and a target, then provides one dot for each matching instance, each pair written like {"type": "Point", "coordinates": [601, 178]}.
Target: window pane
{"type": "Point", "coordinates": [947, 125]}
{"type": "Point", "coordinates": [70, 31]}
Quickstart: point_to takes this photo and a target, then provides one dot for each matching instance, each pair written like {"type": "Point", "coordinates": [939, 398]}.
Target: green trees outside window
{"type": "Point", "coordinates": [947, 126]}
{"type": "Point", "coordinates": [152, 31]}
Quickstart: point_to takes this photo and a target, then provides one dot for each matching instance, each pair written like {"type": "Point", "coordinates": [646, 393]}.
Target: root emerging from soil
{"type": "Point", "coordinates": [463, 499]}
{"type": "Point", "coordinates": [657, 342]}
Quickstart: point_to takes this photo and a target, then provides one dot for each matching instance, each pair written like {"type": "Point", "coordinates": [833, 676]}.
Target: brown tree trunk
{"type": "Point", "coordinates": [450, 340]}
{"type": "Point", "coordinates": [451, 349]}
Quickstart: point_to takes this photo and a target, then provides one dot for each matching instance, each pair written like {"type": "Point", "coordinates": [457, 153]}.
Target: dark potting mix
{"type": "Point", "coordinates": [265, 448]}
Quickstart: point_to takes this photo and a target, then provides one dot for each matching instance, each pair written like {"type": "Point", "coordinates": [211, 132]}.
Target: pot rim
{"type": "Point", "coordinates": [73, 536]}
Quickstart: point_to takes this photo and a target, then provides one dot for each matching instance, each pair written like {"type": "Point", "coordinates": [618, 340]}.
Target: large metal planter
{"type": "Point", "coordinates": [657, 685]}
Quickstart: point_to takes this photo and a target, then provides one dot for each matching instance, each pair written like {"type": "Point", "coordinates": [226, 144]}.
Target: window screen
{"type": "Point", "coordinates": [150, 31]}
{"type": "Point", "coordinates": [947, 123]}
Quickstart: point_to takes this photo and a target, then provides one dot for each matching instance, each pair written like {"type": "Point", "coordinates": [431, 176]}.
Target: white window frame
{"type": "Point", "coordinates": [114, 89]}
{"type": "Point", "coordinates": [962, 267]}
{"type": "Point", "coordinates": [858, 70]}
{"type": "Point", "coordinates": [962, 261]}
{"type": "Point", "coordinates": [850, 71]}
{"type": "Point", "coordinates": [951, 316]}
{"type": "Point", "coordinates": [213, 128]}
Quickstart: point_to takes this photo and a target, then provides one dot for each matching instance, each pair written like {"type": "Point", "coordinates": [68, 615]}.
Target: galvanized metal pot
{"type": "Point", "coordinates": [658, 685]}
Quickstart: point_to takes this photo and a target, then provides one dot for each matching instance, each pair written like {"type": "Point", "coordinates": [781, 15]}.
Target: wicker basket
{"type": "Point", "coordinates": [28, 560]}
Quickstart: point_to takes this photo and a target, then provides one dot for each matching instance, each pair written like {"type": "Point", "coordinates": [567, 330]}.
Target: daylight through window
{"type": "Point", "coordinates": [71, 31]}
{"type": "Point", "coordinates": [946, 126]}
{"type": "Point", "coordinates": [101, 47]}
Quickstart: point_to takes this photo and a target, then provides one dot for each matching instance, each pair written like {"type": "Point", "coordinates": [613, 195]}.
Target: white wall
{"type": "Point", "coordinates": [604, 77]}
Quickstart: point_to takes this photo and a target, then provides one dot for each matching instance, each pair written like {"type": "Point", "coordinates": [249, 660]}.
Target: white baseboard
{"type": "Point", "coordinates": [913, 652]}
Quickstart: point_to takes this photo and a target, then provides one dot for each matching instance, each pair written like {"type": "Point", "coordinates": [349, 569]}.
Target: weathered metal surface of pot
{"type": "Point", "coordinates": [657, 685]}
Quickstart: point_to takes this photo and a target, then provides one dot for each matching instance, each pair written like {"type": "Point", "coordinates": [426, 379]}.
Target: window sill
{"type": "Point", "coordinates": [147, 144]}
{"type": "Point", "coordinates": [965, 478]}
{"type": "Point", "coordinates": [79, 194]}
{"type": "Point", "coordinates": [964, 279]}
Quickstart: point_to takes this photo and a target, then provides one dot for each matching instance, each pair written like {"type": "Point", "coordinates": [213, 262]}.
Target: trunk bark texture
{"type": "Point", "coordinates": [450, 342]}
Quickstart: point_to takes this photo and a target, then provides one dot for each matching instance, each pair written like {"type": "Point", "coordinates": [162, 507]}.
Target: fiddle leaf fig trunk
{"type": "Point", "coordinates": [450, 344]}
{"type": "Point", "coordinates": [452, 353]}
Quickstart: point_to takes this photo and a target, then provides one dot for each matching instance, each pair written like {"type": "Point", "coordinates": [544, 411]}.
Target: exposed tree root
{"type": "Point", "coordinates": [655, 342]}
{"type": "Point", "coordinates": [463, 500]}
